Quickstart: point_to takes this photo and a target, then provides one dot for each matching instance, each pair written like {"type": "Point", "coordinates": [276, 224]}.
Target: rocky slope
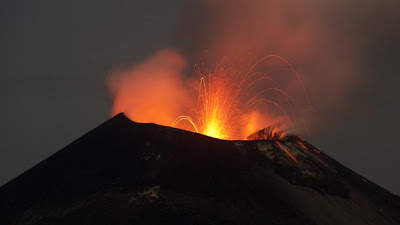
{"type": "Point", "coordinates": [124, 172]}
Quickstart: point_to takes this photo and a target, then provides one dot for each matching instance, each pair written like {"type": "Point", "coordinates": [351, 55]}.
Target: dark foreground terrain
{"type": "Point", "coordinates": [130, 173]}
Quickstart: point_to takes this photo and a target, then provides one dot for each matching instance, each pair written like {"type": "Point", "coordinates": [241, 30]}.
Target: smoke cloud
{"type": "Point", "coordinates": [324, 41]}
{"type": "Point", "coordinates": [152, 91]}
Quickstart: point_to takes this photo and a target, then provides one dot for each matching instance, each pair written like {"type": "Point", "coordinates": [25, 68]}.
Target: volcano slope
{"type": "Point", "coordinates": [124, 172]}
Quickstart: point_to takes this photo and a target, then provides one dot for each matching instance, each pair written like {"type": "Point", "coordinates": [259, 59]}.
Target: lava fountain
{"type": "Point", "coordinates": [234, 101]}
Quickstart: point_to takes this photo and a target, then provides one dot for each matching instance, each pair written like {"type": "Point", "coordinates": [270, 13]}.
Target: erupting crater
{"type": "Point", "coordinates": [237, 100]}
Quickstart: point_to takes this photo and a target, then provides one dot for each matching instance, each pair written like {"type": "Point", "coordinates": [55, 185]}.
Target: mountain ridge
{"type": "Point", "coordinates": [123, 172]}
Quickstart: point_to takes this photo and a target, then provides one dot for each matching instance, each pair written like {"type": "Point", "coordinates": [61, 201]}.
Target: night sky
{"type": "Point", "coordinates": [54, 56]}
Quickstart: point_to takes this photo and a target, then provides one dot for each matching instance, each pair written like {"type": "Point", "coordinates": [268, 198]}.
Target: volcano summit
{"type": "Point", "coordinates": [124, 172]}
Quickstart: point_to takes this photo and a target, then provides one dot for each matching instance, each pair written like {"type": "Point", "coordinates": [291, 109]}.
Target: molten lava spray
{"type": "Point", "coordinates": [232, 101]}
{"type": "Point", "coordinates": [323, 39]}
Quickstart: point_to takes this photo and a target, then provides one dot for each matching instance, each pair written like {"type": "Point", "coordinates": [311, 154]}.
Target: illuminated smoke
{"type": "Point", "coordinates": [229, 102]}
{"type": "Point", "coordinates": [304, 34]}
{"type": "Point", "coordinates": [152, 91]}
{"type": "Point", "coordinates": [237, 99]}
{"type": "Point", "coordinates": [322, 40]}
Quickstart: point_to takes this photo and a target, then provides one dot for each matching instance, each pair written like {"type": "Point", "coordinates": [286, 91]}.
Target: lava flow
{"type": "Point", "coordinates": [231, 102]}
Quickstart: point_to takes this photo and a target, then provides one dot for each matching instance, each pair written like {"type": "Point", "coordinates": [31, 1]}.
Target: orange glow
{"type": "Point", "coordinates": [230, 102]}
{"type": "Point", "coordinates": [152, 91]}
{"type": "Point", "coordinates": [233, 103]}
{"type": "Point", "coordinates": [302, 145]}
{"type": "Point", "coordinates": [217, 104]}
{"type": "Point", "coordinates": [286, 151]}
{"type": "Point", "coordinates": [301, 138]}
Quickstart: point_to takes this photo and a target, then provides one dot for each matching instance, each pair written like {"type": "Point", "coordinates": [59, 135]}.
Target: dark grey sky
{"type": "Point", "coordinates": [54, 56]}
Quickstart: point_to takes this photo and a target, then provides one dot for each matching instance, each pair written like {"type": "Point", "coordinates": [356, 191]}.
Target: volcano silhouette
{"type": "Point", "coordinates": [124, 172]}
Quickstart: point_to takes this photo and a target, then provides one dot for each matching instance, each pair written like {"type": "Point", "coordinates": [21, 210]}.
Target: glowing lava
{"type": "Point", "coordinates": [232, 104]}
{"type": "Point", "coordinates": [231, 101]}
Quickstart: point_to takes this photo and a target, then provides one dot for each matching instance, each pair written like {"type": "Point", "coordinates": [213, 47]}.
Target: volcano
{"type": "Point", "coordinates": [124, 172]}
